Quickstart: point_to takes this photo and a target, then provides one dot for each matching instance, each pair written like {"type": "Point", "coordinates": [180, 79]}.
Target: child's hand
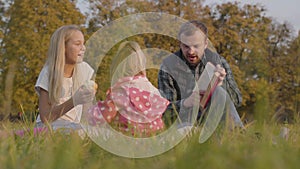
{"type": "Point", "coordinates": [85, 93]}
{"type": "Point", "coordinates": [91, 85]}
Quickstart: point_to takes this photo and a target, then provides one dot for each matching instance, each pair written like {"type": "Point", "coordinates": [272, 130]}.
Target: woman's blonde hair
{"type": "Point", "coordinates": [56, 61]}
{"type": "Point", "coordinates": [129, 61]}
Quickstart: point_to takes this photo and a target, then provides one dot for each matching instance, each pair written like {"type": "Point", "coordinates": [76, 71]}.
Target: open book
{"type": "Point", "coordinates": [207, 83]}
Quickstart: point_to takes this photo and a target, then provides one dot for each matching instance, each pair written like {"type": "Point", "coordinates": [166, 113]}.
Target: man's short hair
{"type": "Point", "coordinates": [189, 28]}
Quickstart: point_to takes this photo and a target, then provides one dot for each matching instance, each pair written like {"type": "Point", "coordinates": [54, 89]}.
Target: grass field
{"type": "Point", "coordinates": [259, 147]}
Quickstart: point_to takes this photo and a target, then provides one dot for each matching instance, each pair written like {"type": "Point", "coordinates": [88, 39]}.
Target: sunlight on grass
{"type": "Point", "coordinates": [259, 147]}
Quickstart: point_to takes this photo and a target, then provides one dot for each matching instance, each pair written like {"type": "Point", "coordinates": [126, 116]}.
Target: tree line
{"type": "Point", "coordinates": [263, 53]}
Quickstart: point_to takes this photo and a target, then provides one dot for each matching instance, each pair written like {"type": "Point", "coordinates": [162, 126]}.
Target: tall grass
{"type": "Point", "coordinates": [258, 147]}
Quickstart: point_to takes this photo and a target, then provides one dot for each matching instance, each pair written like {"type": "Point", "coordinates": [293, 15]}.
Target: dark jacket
{"type": "Point", "coordinates": [176, 79]}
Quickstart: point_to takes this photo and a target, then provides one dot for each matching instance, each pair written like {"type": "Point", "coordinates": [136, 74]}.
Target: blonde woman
{"type": "Point", "coordinates": [133, 105]}
{"type": "Point", "coordinates": [62, 83]}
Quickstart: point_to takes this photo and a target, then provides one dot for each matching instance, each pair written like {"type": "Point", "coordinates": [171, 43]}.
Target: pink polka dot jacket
{"type": "Point", "coordinates": [133, 104]}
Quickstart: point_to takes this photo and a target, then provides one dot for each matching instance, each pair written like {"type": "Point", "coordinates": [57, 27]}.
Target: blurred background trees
{"type": "Point", "coordinates": [27, 26]}
{"type": "Point", "coordinates": [263, 54]}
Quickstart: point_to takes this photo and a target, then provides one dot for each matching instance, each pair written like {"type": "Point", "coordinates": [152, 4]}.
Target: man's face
{"type": "Point", "coordinates": [193, 46]}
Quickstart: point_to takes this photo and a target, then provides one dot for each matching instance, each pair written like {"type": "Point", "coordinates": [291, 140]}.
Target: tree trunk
{"type": "Point", "coordinates": [8, 91]}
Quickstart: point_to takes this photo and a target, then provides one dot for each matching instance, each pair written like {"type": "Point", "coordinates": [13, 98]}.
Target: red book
{"type": "Point", "coordinates": [207, 83]}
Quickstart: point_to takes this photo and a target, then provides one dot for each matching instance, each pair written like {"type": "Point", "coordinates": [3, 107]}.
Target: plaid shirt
{"type": "Point", "coordinates": [176, 78]}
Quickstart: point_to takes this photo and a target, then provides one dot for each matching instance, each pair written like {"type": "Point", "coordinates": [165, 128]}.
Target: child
{"type": "Point", "coordinates": [64, 82]}
{"type": "Point", "coordinates": [133, 105]}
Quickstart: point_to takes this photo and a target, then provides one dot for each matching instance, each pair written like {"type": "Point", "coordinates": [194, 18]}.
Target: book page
{"type": "Point", "coordinates": [206, 76]}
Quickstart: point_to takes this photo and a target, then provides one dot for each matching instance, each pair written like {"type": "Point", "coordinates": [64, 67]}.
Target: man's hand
{"type": "Point", "coordinates": [192, 100]}
{"type": "Point", "coordinates": [222, 72]}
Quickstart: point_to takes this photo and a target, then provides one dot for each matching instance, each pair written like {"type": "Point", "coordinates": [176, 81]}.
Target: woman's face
{"type": "Point", "coordinates": [74, 49]}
